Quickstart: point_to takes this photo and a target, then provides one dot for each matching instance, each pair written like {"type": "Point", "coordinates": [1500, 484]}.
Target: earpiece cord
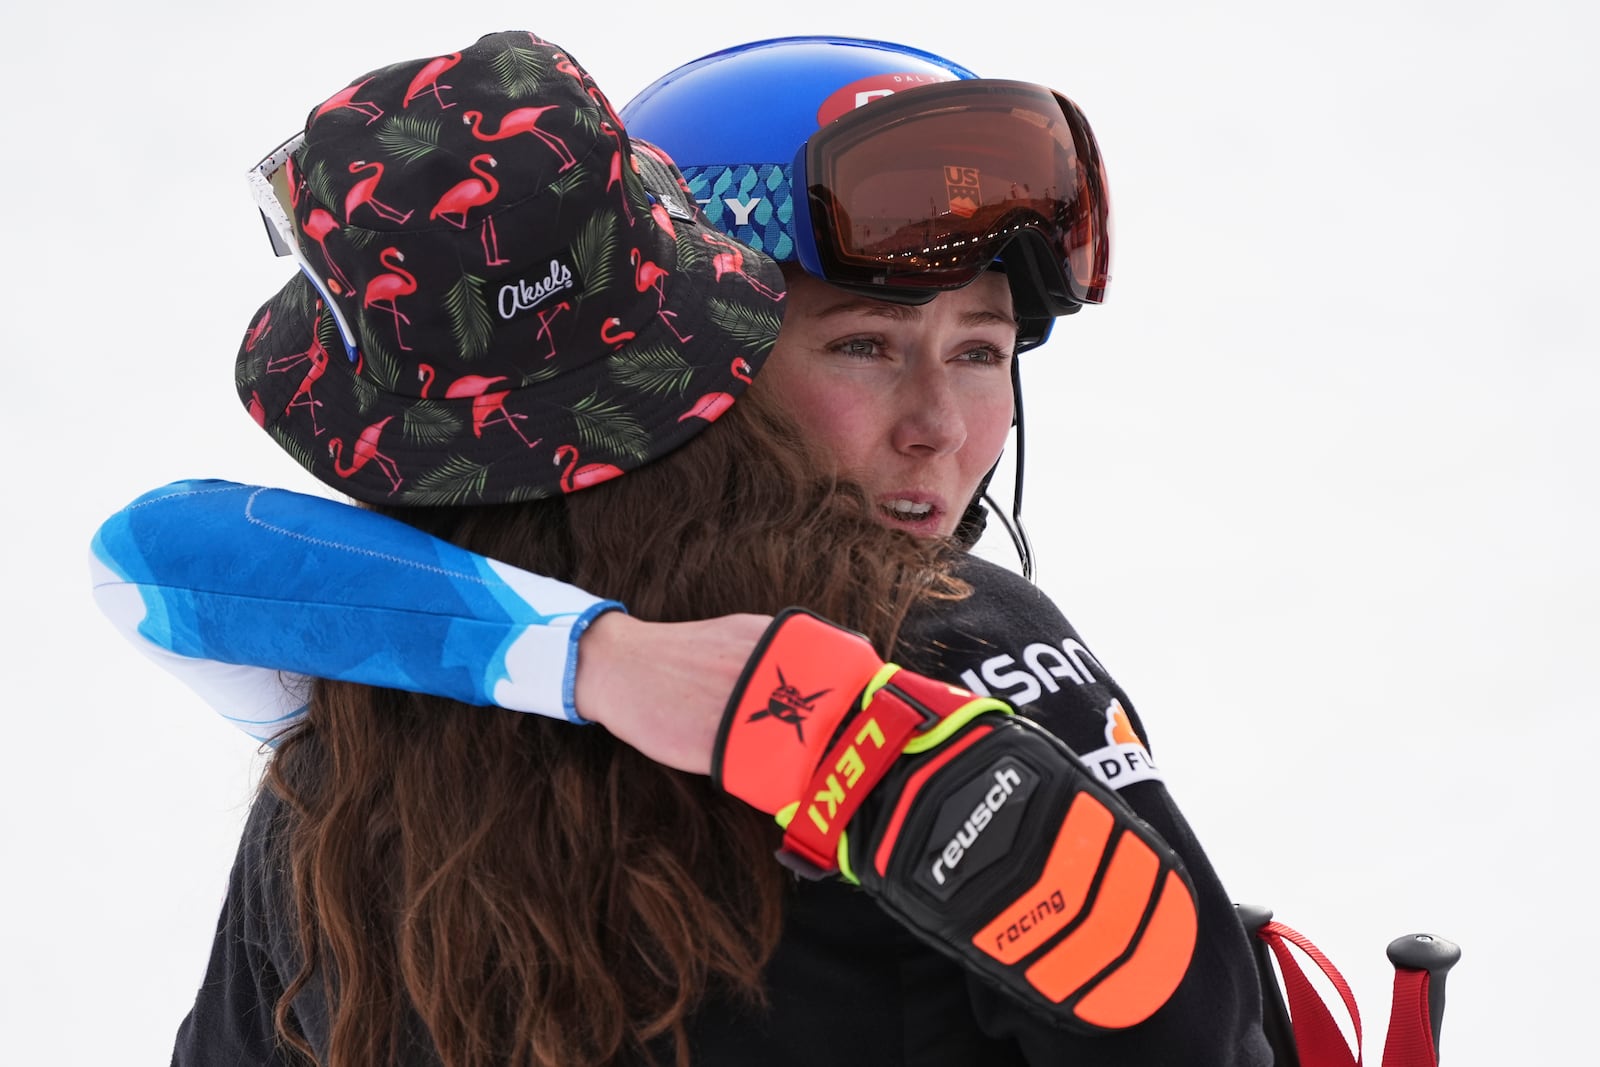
{"type": "Point", "coordinates": [1013, 525]}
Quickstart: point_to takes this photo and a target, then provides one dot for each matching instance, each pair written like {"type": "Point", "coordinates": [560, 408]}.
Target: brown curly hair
{"type": "Point", "coordinates": [535, 893]}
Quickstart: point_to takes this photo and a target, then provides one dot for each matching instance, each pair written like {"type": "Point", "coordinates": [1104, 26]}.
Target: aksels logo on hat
{"type": "Point", "coordinates": [520, 296]}
{"type": "Point", "coordinates": [573, 308]}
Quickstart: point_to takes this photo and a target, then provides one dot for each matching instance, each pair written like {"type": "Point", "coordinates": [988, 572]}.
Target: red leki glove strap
{"type": "Point", "coordinates": [857, 761]}
{"type": "Point", "coordinates": [1316, 1036]}
{"type": "Point", "coordinates": [1410, 1040]}
{"type": "Point", "coordinates": [803, 680]}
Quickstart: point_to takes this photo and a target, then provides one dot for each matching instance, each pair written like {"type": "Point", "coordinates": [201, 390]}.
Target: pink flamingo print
{"type": "Point", "coordinates": [711, 406]}
{"type": "Point", "coordinates": [383, 290]}
{"type": "Point", "coordinates": [611, 335]}
{"type": "Point", "coordinates": [292, 180]}
{"type": "Point", "coordinates": [319, 224]}
{"type": "Point", "coordinates": [566, 66]}
{"type": "Point", "coordinates": [346, 98]}
{"type": "Point", "coordinates": [584, 476]}
{"type": "Point", "coordinates": [485, 405]}
{"type": "Point", "coordinates": [468, 194]}
{"type": "Point", "coordinates": [614, 175]}
{"type": "Point", "coordinates": [522, 120]}
{"type": "Point", "coordinates": [546, 317]}
{"type": "Point", "coordinates": [258, 329]}
{"type": "Point", "coordinates": [731, 261]}
{"type": "Point", "coordinates": [648, 275]}
{"type": "Point", "coordinates": [427, 80]}
{"type": "Point", "coordinates": [364, 452]}
{"type": "Point", "coordinates": [293, 360]}
{"type": "Point", "coordinates": [600, 100]}
{"type": "Point", "coordinates": [658, 212]}
{"type": "Point", "coordinates": [365, 192]}
{"type": "Point", "coordinates": [317, 356]}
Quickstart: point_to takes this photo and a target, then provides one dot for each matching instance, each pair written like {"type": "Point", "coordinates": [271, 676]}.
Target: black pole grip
{"type": "Point", "coordinates": [1425, 952]}
{"type": "Point", "coordinates": [1274, 1013]}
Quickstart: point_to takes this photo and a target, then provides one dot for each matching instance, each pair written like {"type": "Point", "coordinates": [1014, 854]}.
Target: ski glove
{"type": "Point", "coordinates": [978, 830]}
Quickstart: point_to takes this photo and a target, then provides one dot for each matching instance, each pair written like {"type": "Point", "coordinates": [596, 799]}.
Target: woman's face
{"type": "Point", "coordinates": [912, 401]}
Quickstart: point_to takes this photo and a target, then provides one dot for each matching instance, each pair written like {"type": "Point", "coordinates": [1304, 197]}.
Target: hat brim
{"type": "Point", "coordinates": [548, 426]}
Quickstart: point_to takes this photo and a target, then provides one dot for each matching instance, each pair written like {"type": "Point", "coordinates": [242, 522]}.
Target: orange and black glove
{"type": "Point", "coordinates": [978, 830]}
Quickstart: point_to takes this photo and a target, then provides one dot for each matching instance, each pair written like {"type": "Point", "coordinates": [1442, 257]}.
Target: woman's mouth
{"type": "Point", "coordinates": [918, 516]}
{"type": "Point", "coordinates": [910, 510]}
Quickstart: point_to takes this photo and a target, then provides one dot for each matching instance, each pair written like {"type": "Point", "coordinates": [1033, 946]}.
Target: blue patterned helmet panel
{"type": "Point", "coordinates": [751, 203]}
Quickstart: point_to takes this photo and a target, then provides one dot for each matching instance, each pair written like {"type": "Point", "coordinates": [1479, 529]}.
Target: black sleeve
{"type": "Point", "coordinates": [231, 1023]}
{"type": "Point", "coordinates": [1009, 640]}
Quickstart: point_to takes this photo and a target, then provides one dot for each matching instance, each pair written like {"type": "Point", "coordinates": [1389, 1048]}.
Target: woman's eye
{"type": "Point", "coordinates": [986, 354]}
{"type": "Point", "coordinates": [858, 347]}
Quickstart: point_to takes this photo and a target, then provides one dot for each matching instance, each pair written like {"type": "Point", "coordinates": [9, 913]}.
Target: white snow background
{"type": "Point", "coordinates": [1316, 484]}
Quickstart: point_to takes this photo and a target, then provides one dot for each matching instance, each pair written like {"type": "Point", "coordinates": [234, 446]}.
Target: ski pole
{"type": "Point", "coordinates": [1274, 1012]}
{"type": "Point", "coordinates": [1421, 962]}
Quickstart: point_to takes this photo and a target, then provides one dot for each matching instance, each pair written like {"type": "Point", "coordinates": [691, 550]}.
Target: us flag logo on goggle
{"type": "Point", "coordinates": [961, 189]}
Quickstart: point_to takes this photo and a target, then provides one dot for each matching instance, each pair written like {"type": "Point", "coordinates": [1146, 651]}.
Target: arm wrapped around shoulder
{"type": "Point", "coordinates": [982, 833]}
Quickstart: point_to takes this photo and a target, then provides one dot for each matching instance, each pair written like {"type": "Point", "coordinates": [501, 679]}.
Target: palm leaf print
{"type": "Point", "coordinates": [456, 481]}
{"type": "Point", "coordinates": [594, 253]}
{"type": "Point", "coordinates": [249, 369]}
{"type": "Point", "coordinates": [607, 425]}
{"type": "Point", "coordinates": [408, 138]}
{"type": "Point", "coordinates": [382, 369]}
{"type": "Point", "coordinates": [520, 70]}
{"type": "Point", "coordinates": [655, 370]}
{"type": "Point", "coordinates": [294, 445]}
{"type": "Point", "coordinates": [542, 373]}
{"type": "Point", "coordinates": [470, 321]}
{"type": "Point", "coordinates": [299, 303]}
{"type": "Point", "coordinates": [521, 491]}
{"type": "Point", "coordinates": [588, 119]}
{"type": "Point", "coordinates": [362, 238]}
{"type": "Point", "coordinates": [364, 392]}
{"type": "Point", "coordinates": [430, 423]}
{"type": "Point", "coordinates": [572, 179]}
{"type": "Point", "coordinates": [693, 252]}
{"type": "Point", "coordinates": [759, 329]}
{"type": "Point", "coordinates": [320, 185]}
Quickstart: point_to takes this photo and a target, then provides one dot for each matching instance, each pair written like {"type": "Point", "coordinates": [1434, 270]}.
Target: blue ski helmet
{"type": "Point", "coordinates": [739, 121]}
{"type": "Point", "coordinates": [734, 119]}
{"type": "Point", "coordinates": [734, 122]}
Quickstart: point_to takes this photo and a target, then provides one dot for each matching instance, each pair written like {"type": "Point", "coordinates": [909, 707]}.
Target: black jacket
{"type": "Point", "coordinates": [847, 985]}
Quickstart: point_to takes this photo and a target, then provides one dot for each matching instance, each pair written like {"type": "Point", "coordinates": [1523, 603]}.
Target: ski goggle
{"type": "Point", "coordinates": [923, 190]}
{"type": "Point", "coordinates": [271, 186]}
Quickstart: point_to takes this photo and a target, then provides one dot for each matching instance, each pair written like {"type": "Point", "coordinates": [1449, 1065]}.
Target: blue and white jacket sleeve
{"type": "Point", "coordinates": [237, 589]}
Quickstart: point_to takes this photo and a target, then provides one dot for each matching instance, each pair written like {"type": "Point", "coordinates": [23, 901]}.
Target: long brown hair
{"type": "Point", "coordinates": [538, 893]}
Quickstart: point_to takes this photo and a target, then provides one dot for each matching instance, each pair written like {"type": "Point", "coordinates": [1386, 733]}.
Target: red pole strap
{"type": "Point", "coordinates": [1410, 1040]}
{"type": "Point", "coordinates": [1422, 962]}
{"type": "Point", "coordinates": [1316, 1036]}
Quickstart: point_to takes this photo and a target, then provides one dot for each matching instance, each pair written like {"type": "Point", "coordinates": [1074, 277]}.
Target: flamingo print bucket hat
{"type": "Point", "coordinates": [501, 296]}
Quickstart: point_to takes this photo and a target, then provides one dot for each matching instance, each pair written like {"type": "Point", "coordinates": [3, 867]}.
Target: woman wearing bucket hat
{"type": "Point", "coordinates": [440, 458]}
{"type": "Point", "coordinates": [742, 172]}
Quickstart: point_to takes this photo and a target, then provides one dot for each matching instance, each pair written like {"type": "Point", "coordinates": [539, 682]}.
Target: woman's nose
{"type": "Point", "coordinates": [928, 417]}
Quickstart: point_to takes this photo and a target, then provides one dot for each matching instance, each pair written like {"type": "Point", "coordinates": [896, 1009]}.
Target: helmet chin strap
{"type": "Point", "coordinates": [976, 518]}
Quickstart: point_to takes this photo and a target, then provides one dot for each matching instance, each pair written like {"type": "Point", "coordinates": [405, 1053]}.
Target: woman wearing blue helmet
{"type": "Point", "coordinates": [901, 200]}
{"type": "Point", "coordinates": [906, 307]}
